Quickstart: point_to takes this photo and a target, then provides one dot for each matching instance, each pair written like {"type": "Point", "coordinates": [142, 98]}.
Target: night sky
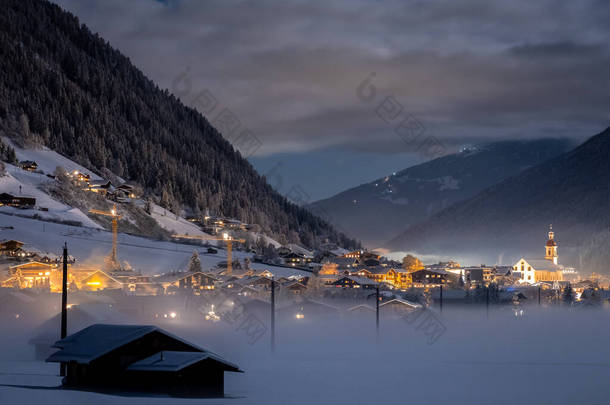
{"type": "Point", "coordinates": [292, 73]}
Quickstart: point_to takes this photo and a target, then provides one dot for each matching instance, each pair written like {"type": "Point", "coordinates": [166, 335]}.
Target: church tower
{"type": "Point", "coordinates": [551, 247]}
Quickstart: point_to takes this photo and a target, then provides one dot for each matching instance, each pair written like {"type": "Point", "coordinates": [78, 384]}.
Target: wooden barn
{"type": "Point", "coordinates": [137, 358]}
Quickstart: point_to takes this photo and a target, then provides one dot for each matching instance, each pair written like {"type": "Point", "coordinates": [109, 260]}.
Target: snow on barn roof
{"type": "Point", "coordinates": [99, 339]}
{"type": "Point", "coordinates": [401, 301]}
{"type": "Point", "coordinates": [176, 361]}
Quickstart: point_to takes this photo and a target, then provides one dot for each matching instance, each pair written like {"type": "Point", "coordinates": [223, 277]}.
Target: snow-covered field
{"type": "Point", "coordinates": [546, 356]}
{"type": "Point", "coordinates": [23, 183]}
{"type": "Point", "coordinates": [89, 245]}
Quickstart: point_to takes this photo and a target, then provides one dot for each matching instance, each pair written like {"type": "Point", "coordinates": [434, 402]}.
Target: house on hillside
{"type": "Point", "coordinates": [101, 187]}
{"type": "Point", "coordinates": [138, 358]}
{"type": "Point", "coordinates": [28, 165]}
{"type": "Point", "coordinates": [10, 200]}
{"type": "Point", "coordinates": [185, 282]}
{"type": "Point", "coordinates": [11, 247]}
{"type": "Point", "coordinates": [426, 278]}
{"type": "Point", "coordinates": [32, 275]}
{"type": "Point", "coordinates": [355, 282]}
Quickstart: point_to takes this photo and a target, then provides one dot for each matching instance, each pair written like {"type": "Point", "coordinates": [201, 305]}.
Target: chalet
{"type": "Point", "coordinates": [355, 282]}
{"type": "Point", "coordinates": [11, 247]}
{"type": "Point", "coordinates": [32, 274]}
{"type": "Point", "coordinates": [81, 177]}
{"type": "Point", "coordinates": [133, 281]}
{"type": "Point", "coordinates": [17, 202]}
{"type": "Point", "coordinates": [296, 259]}
{"type": "Point", "coordinates": [137, 358]}
{"type": "Point", "coordinates": [264, 273]}
{"type": "Point", "coordinates": [261, 281]}
{"type": "Point", "coordinates": [395, 277]}
{"type": "Point", "coordinates": [100, 280]}
{"type": "Point", "coordinates": [28, 165]}
{"type": "Point", "coordinates": [335, 265]}
{"type": "Point", "coordinates": [361, 309]}
{"type": "Point", "coordinates": [479, 274]}
{"type": "Point", "coordinates": [428, 277]}
{"type": "Point", "coordinates": [185, 281]}
{"type": "Point", "coordinates": [295, 287]}
{"type": "Point", "coordinates": [103, 187]}
{"type": "Point", "coordinates": [249, 291]}
{"type": "Point", "coordinates": [126, 191]}
{"type": "Point", "coordinates": [397, 307]}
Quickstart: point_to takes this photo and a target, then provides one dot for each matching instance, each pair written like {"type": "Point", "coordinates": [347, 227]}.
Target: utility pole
{"type": "Point", "coordinates": [377, 310]}
{"type": "Point", "coordinates": [441, 298]}
{"type": "Point", "coordinates": [64, 305]}
{"type": "Point", "coordinates": [272, 314]}
{"type": "Point", "coordinates": [487, 300]}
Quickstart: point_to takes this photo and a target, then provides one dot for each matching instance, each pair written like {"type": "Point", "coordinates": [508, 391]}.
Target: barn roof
{"type": "Point", "coordinates": [402, 302]}
{"type": "Point", "coordinates": [176, 361]}
{"type": "Point", "coordinates": [97, 340]}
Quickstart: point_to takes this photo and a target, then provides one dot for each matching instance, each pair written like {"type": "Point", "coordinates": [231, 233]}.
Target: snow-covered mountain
{"type": "Point", "coordinates": [377, 211]}
{"type": "Point", "coordinates": [511, 218]}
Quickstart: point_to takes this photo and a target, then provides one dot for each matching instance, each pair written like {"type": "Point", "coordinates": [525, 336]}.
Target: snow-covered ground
{"type": "Point", "coordinates": [23, 183]}
{"type": "Point", "coordinates": [48, 160]}
{"type": "Point", "coordinates": [90, 245]}
{"type": "Point", "coordinates": [179, 225]}
{"type": "Point", "coordinates": [546, 356]}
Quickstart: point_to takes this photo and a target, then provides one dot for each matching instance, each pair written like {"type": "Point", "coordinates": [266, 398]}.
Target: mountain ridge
{"type": "Point", "coordinates": [64, 87]}
{"type": "Point", "coordinates": [570, 191]}
{"type": "Point", "coordinates": [415, 193]}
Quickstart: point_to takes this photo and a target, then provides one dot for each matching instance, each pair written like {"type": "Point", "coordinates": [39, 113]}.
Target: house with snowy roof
{"type": "Point", "coordinates": [139, 358]}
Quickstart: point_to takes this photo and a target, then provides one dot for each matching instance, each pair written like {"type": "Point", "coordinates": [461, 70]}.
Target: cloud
{"type": "Point", "coordinates": [289, 69]}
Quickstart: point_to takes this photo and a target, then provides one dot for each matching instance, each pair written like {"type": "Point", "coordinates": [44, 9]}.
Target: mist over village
{"type": "Point", "coordinates": [296, 203]}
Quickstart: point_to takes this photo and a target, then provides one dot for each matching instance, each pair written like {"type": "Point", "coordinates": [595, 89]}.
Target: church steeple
{"type": "Point", "coordinates": [551, 247]}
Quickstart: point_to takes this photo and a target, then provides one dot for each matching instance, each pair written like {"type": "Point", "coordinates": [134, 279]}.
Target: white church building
{"type": "Point", "coordinates": [533, 270]}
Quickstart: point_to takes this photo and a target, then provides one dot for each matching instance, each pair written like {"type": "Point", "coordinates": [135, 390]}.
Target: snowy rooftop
{"type": "Point", "coordinates": [176, 361]}
{"type": "Point", "coordinates": [96, 340]}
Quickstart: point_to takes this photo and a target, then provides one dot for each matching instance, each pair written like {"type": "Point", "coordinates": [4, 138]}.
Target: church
{"type": "Point", "coordinates": [534, 270]}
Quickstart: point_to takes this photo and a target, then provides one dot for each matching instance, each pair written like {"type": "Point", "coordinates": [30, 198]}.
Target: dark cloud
{"type": "Point", "coordinates": [289, 69]}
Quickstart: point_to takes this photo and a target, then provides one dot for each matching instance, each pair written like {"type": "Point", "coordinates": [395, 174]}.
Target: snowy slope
{"type": "Point", "coordinates": [20, 182]}
{"type": "Point", "coordinates": [89, 246]}
{"type": "Point", "coordinates": [48, 159]}
{"type": "Point", "coordinates": [168, 221]}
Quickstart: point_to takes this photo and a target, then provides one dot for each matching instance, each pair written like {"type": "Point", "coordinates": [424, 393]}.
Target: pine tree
{"type": "Point", "coordinates": [194, 263]}
{"type": "Point", "coordinates": [567, 295]}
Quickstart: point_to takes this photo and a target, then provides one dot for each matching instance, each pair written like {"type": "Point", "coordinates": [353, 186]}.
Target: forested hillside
{"type": "Point", "coordinates": [67, 88]}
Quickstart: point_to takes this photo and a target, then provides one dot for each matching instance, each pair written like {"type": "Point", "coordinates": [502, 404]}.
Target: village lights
{"type": "Point", "coordinates": [299, 316]}
{"type": "Point", "coordinates": [172, 315]}
{"type": "Point", "coordinates": [225, 236]}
